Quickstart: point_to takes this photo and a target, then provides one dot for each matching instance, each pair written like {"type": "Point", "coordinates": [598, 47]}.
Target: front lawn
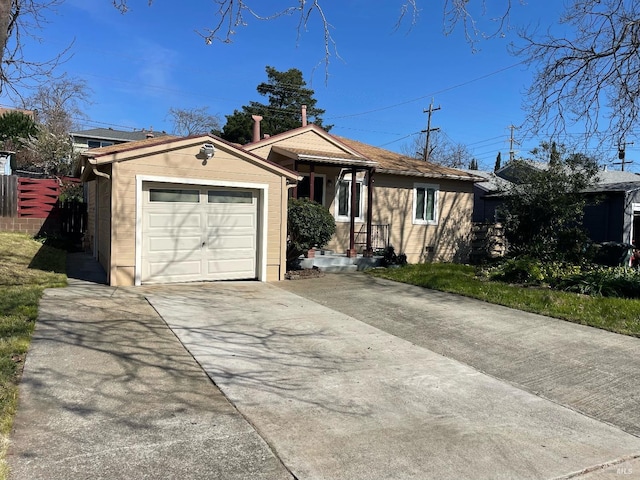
{"type": "Point", "coordinates": [26, 268]}
{"type": "Point", "coordinates": [614, 314]}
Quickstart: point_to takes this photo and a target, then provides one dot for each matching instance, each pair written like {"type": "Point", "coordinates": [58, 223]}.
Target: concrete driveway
{"type": "Point", "coordinates": [335, 397]}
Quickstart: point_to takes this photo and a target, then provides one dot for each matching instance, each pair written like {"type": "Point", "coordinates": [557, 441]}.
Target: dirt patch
{"type": "Point", "coordinates": [304, 273]}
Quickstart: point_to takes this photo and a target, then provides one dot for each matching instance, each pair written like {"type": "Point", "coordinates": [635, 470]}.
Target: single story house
{"type": "Point", "coordinates": [378, 197]}
{"type": "Point", "coordinates": [169, 209]}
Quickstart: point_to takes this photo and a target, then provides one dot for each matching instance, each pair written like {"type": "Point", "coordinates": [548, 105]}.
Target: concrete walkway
{"type": "Point", "coordinates": [108, 392]}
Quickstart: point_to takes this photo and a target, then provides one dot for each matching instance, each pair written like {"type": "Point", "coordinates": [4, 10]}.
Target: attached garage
{"type": "Point", "coordinates": [168, 210]}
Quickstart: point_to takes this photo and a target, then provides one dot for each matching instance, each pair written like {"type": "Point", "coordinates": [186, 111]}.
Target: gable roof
{"type": "Point", "coordinates": [150, 146]}
{"type": "Point", "coordinates": [117, 135]}
{"type": "Point", "coordinates": [398, 164]}
{"type": "Point", "coordinates": [356, 153]}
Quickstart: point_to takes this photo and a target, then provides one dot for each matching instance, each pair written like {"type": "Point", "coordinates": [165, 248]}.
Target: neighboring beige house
{"type": "Point", "coordinates": [421, 209]}
{"type": "Point", "coordinates": [170, 209]}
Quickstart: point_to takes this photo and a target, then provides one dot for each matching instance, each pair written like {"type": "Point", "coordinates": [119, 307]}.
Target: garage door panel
{"type": "Point", "coordinates": [236, 269]}
{"type": "Point", "coordinates": [235, 220]}
{"type": "Point", "coordinates": [232, 242]}
{"type": "Point", "coordinates": [176, 269]}
{"type": "Point", "coordinates": [175, 219]}
{"type": "Point", "coordinates": [178, 244]}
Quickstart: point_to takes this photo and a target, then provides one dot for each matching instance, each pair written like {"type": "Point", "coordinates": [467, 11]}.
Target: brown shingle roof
{"type": "Point", "coordinates": [396, 163]}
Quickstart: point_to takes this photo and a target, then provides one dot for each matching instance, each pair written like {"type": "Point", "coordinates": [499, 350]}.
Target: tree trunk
{"type": "Point", "coordinates": [5, 24]}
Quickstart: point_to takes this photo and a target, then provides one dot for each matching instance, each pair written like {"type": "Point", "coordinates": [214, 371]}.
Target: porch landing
{"type": "Point", "coordinates": [329, 261]}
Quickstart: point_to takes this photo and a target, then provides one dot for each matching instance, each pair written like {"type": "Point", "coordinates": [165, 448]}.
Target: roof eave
{"type": "Point", "coordinates": [410, 173]}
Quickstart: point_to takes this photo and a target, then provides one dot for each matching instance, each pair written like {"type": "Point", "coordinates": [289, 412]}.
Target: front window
{"type": "Point", "coordinates": [425, 204]}
{"type": "Point", "coordinates": [98, 143]}
{"type": "Point", "coordinates": [304, 190]}
{"type": "Point", "coordinates": [343, 200]}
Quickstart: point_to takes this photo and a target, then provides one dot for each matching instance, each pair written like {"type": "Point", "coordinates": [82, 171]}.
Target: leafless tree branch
{"type": "Point", "coordinates": [21, 19]}
{"type": "Point", "coordinates": [193, 121]}
{"type": "Point", "coordinates": [589, 76]}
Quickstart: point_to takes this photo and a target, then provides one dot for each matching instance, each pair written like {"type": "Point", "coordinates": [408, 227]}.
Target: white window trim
{"type": "Point", "coordinates": [436, 201]}
{"type": "Point", "coordinates": [347, 218]}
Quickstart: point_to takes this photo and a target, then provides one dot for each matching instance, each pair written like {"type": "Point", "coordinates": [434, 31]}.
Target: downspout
{"type": "Point", "coordinates": [96, 233]}
{"type": "Point", "coordinates": [95, 170]}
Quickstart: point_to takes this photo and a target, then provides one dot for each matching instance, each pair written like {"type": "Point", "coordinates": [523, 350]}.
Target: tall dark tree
{"type": "Point", "coordinates": [498, 164]}
{"type": "Point", "coordinates": [473, 165]}
{"type": "Point", "coordinates": [15, 129]}
{"type": "Point", "coordinates": [286, 92]}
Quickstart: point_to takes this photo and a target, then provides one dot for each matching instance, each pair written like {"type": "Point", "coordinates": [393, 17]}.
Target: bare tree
{"type": "Point", "coordinates": [48, 153]}
{"type": "Point", "coordinates": [193, 121]}
{"type": "Point", "coordinates": [20, 19]}
{"type": "Point", "coordinates": [59, 103]}
{"type": "Point", "coordinates": [442, 150]}
{"type": "Point", "coordinates": [232, 15]}
{"type": "Point", "coordinates": [590, 74]}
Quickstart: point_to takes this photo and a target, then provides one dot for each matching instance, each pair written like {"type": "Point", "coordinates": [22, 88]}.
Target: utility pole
{"type": "Point", "coordinates": [425, 153]}
{"type": "Point", "coordinates": [621, 153]}
{"type": "Point", "coordinates": [512, 141]}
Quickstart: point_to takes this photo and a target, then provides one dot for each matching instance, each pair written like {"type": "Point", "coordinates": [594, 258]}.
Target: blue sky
{"type": "Point", "coordinates": [140, 64]}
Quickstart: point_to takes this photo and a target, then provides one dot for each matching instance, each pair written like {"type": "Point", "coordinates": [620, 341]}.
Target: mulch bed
{"type": "Point", "coordinates": [304, 273]}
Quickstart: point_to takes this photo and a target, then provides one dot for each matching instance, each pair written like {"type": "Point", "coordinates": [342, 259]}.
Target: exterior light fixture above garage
{"type": "Point", "coordinates": [208, 149]}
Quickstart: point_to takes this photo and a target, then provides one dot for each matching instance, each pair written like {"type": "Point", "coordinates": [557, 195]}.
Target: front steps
{"type": "Point", "coordinates": [328, 261]}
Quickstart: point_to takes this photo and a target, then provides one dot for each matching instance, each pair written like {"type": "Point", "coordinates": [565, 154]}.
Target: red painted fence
{"type": "Point", "coordinates": [32, 206]}
{"type": "Point", "coordinates": [37, 197]}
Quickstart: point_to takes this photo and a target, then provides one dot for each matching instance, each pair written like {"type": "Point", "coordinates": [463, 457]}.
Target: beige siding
{"type": "Point", "coordinates": [90, 233]}
{"type": "Point", "coordinates": [224, 166]}
{"type": "Point", "coordinates": [308, 140]}
{"type": "Point", "coordinates": [447, 241]}
{"type": "Point", "coordinates": [104, 223]}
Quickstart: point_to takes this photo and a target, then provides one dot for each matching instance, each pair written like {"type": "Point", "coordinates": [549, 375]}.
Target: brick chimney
{"type": "Point", "coordinates": [256, 127]}
{"type": "Point", "coordinates": [304, 115]}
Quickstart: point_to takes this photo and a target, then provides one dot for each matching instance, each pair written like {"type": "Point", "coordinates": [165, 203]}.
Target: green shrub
{"type": "Point", "coordinates": [619, 282]}
{"type": "Point", "coordinates": [309, 225]}
{"type": "Point", "coordinates": [522, 270]}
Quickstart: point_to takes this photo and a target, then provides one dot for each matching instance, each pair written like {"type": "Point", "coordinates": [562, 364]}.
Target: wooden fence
{"type": "Point", "coordinates": [37, 198]}
{"type": "Point", "coordinates": [8, 196]}
{"type": "Point", "coordinates": [32, 206]}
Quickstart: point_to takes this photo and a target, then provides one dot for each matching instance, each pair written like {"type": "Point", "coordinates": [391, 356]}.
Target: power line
{"type": "Point", "coordinates": [429, 95]}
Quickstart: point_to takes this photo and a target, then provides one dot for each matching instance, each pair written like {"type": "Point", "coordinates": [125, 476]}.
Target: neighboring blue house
{"type": "Point", "coordinates": [613, 214]}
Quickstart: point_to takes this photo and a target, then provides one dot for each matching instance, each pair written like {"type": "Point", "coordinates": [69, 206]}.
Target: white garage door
{"type": "Point", "coordinates": [192, 233]}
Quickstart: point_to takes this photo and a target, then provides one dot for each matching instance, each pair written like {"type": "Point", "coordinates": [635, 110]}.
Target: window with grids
{"type": "Point", "coordinates": [343, 200]}
{"type": "Point", "coordinates": [425, 204]}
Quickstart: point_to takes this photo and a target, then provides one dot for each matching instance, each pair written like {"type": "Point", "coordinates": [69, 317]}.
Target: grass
{"type": "Point", "coordinates": [26, 269]}
{"type": "Point", "coordinates": [613, 314]}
